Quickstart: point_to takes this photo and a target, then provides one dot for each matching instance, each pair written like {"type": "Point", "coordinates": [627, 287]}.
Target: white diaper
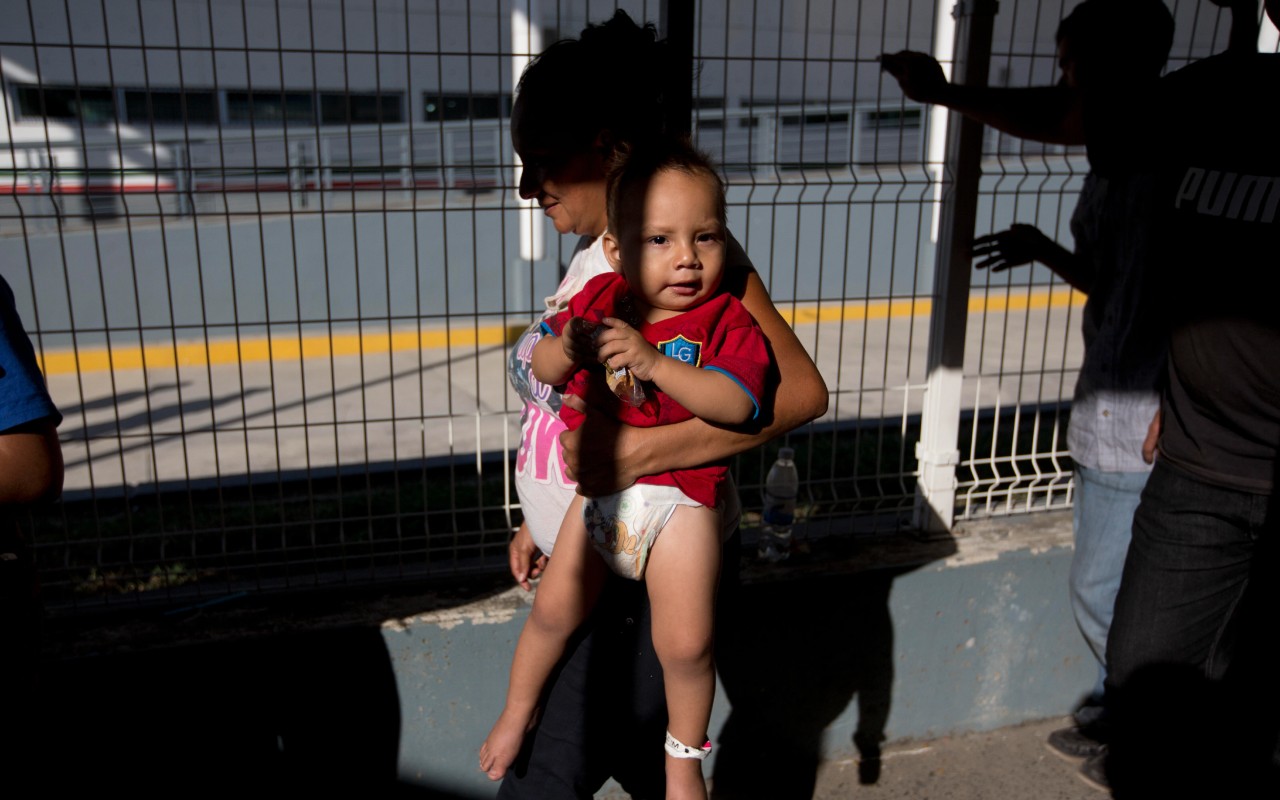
{"type": "Point", "coordinates": [624, 526]}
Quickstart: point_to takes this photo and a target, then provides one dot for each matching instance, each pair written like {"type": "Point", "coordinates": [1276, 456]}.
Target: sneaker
{"type": "Point", "coordinates": [1074, 743]}
{"type": "Point", "coordinates": [1094, 771]}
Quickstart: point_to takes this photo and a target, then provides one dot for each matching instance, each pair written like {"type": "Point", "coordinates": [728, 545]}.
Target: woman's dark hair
{"type": "Point", "coordinates": [635, 165]}
{"type": "Point", "coordinates": [612, 78]}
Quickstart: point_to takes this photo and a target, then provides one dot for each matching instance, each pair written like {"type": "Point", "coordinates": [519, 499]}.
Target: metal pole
{"type": "Point", "coordinates": [937, 451]}
{"type": "Point", "coordinates": [1268, 34]}
{"type": "Point", "coordinates": [944, 50]}
{"type": "Point", "coordinates": [676, 22]}
{"type": "Point", "coordinates": [526, 42]}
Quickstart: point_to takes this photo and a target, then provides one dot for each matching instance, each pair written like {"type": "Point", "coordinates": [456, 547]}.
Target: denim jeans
{"type": "Point", "coordinates": [1193, 702]}
{"type": "Point", "coordinates": [1194, 550]}
{"type": "Point", "coordinates": [1105, 503]}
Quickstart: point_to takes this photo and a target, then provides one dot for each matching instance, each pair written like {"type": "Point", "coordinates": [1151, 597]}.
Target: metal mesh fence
{"type": "Point", "coordinates": [271, 258]}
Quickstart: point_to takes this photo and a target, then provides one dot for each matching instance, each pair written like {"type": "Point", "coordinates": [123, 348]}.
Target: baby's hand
{"type": "Point", "coordinates": [620, 345]}
{"type": "Point", "coordinates": [578, 340]}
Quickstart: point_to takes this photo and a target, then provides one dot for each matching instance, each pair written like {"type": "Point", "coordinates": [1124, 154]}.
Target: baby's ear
{"type": "Point", "coordinates": [612, 251]}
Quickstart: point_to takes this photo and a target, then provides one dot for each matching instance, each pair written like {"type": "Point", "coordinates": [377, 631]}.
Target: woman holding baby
{"type": "Point", "coordinates": [604, 711]}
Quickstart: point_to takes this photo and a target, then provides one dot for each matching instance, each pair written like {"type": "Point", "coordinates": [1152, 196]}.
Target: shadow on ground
{"type": "Point", "coordinates": [794, 656]}
{"type": "Point", "coordinates": [309, 711]}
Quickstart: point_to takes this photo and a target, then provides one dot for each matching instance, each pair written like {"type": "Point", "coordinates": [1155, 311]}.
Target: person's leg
{"type": "Point", "coordinates": [682, 573]}
{"type": "Point", "coordinates": [591, 724]}
{"type": "Point", "coordinates": [1105, 503]}
{"type": "Point", "coordinates": [1186, 573]}
{"type": "Point", "coordinates": [565, 596]}
{"type": "Point", "coordinates": [1186, 570]}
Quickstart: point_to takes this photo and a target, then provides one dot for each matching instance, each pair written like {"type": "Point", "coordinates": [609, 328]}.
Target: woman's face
{"type": "Point", "coordinates": [570, 187]}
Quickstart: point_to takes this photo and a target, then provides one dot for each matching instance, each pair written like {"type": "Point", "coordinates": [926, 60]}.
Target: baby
{"type": "Point", "coordinates": [673, 346]}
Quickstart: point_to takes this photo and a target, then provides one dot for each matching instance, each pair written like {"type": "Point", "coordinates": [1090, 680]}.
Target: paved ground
{"type": "Point", "coordinates": [136, 427]}
{"type": "Point", "coordinates": [1005, 763]}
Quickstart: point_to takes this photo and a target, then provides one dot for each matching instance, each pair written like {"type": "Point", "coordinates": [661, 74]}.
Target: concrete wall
{"type": "Point", "coordinates": [878, 642]}
{"type": "Point", "coordinates": [977, 638]}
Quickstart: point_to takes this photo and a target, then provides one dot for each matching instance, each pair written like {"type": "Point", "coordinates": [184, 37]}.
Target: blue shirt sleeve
{"type": "Point", "coordinates": [23, 397]}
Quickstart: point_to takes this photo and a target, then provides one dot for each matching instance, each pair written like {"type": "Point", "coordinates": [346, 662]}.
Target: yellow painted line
{"type": "Point", "coordinates": [857, 311]}
{"type": "Point", "coordinates": [278, 348]}
{"type": "Point", "coordinates": [292, 348]}
{"type": "Point", "coordinates": [1020, 300]}
{"type": "Point", "coordinates": [1054, 297]}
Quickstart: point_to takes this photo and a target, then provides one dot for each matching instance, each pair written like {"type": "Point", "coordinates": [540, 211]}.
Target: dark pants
{"type": "Point", "coordinates": [1195, 549]}
{"type": "Point", "coordinates": [1189, 667]}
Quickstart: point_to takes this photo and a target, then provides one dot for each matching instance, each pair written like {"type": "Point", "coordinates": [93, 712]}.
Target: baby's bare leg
{"type": "Point", "coordinates": [681, 576]}
{"type": "Point", "coordinates": [569, 588]}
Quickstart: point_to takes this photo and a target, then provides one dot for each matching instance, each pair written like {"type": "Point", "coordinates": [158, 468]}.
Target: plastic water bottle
{"type": "Point", "coordinates": [780, 489]}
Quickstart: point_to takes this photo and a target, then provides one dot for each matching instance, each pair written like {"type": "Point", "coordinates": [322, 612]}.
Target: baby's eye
{"type": "Point", "coordinates": [708, 237]}
{"type": "Point", "coordinates": [657, 240]}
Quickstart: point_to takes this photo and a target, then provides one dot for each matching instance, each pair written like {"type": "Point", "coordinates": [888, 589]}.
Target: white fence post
{"type": "Point", "coordinates": [526, 41]}
{"type": "Point", "coordinates": [937, 451]}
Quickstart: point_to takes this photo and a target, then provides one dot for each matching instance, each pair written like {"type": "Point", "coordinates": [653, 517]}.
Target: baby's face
{"type": "Point", "coordinates": [671, 246]}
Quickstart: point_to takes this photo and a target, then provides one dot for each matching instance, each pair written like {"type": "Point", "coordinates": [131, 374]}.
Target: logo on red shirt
{"type": "Point", "coordinates": [681, 349]}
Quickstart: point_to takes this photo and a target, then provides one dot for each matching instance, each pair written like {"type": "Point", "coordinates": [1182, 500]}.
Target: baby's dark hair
{"type": "Point", "coordinates": [635, 166]}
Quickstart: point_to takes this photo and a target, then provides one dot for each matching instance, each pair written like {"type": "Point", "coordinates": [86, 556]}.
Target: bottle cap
{"type": "Point", "coordinates": [786, 453]}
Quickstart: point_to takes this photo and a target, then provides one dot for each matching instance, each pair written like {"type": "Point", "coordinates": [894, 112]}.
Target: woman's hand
{"type": "Point", "coordinates": [602, 454]}
{"type": "Point", "coordinates": [524, 557]}
{"type": "Point", "coordinates": [620, 345]}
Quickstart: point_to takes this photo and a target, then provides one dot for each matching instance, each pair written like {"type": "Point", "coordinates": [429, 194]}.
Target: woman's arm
{"type": "Point", "coordinates": [634, 452]}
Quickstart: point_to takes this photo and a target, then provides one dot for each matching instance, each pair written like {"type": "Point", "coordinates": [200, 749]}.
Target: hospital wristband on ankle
{"type": "Point", "coordinates": [678, 749]}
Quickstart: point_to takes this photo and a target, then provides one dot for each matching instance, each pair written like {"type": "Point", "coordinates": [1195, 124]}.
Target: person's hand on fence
{"type": "Point", "coordinates": [1020, 244]}
{"type": "Point", "coordinates": [524, 557]}
{"type": "Point", "coordinates": [918, 74]}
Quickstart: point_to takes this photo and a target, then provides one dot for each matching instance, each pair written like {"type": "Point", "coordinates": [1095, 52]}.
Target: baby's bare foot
{"type": "Point", "coordinates": [684, 779]}
{"type": "Point", "coordinates": [502, 745]}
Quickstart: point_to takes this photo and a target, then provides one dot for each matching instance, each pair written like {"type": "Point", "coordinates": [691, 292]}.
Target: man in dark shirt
{"type": "Point", "coordinates": [1191, 596]}
{"type": "Point", "coordinates": [1197, 591]}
